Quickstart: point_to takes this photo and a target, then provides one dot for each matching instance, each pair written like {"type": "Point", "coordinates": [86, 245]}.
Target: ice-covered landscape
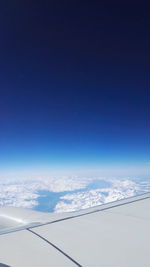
{"type": "Point", "coordinates": [64, 194]}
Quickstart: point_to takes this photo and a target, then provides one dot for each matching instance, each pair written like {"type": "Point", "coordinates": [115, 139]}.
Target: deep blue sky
{"type": "Point", "coordinates": [74, 84]}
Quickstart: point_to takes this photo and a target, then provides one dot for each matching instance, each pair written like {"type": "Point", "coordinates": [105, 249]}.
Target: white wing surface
{"type": "Point", "coordinates": [111, 235]}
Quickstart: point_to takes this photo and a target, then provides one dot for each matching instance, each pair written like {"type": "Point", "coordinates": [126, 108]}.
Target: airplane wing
{"type": "Point", "coordinates": [111, 235]}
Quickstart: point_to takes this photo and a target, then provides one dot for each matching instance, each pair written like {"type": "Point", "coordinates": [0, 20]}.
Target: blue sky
{"type": "Point", "coordinates": [74, 94]}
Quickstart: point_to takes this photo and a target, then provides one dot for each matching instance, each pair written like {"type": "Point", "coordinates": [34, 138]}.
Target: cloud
{"type": "Point", "coordinates": [119, 189]}
{"type": "Point", "coordinates": [25, 192]}
{"type": "Point", "coordinates": [78, 193]}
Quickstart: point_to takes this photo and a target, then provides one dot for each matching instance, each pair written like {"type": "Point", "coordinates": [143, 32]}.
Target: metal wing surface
{"type": "Point", "coordinates": [111, 235]}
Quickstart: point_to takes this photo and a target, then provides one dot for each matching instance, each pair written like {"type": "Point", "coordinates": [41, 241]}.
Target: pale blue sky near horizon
{"type": "Point", "coordinates": [75, 96]}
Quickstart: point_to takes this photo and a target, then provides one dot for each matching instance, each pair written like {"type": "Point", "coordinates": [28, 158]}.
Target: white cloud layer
{"type": "Point", "coordinates": [25, 192]}
{"type": "Point", "coordinates": [119, 189]}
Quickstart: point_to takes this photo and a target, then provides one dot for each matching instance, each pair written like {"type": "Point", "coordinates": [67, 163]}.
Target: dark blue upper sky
{"type": "Point", "coordinates": [74, 84]}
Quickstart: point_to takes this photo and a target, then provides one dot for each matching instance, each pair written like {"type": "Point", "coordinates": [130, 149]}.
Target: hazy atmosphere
{"type": "Point", "coordinates": [74, 103]}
